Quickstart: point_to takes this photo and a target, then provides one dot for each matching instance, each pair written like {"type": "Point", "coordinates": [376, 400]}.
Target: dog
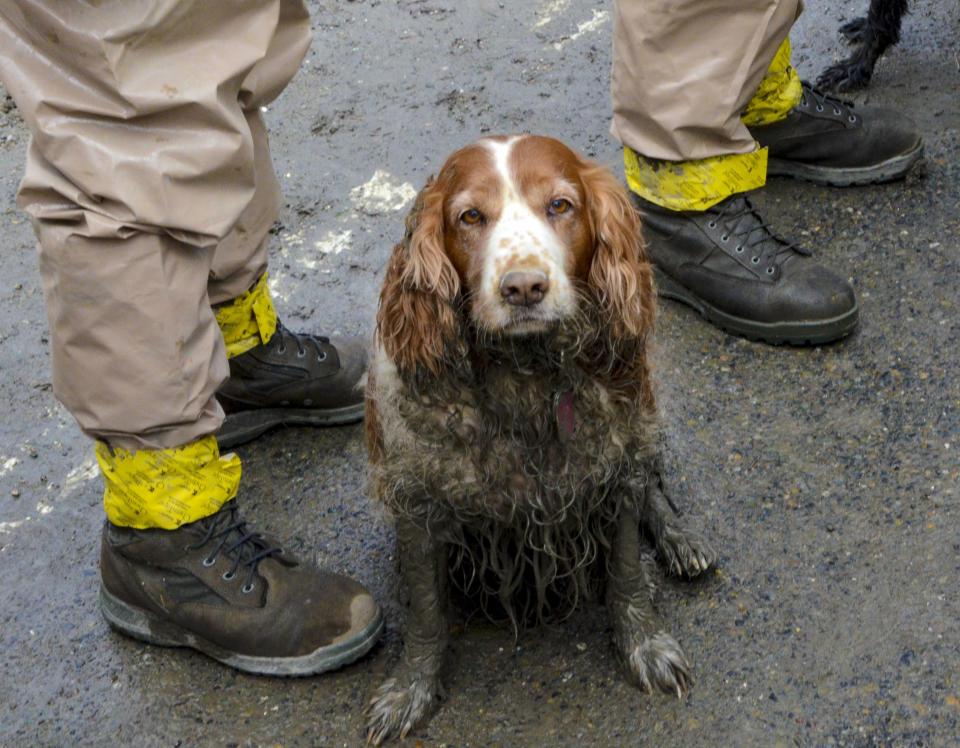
{"type": "Point", "coordinates": [872, 35]}
{"type": "Point", "coordinates": [511, 424]}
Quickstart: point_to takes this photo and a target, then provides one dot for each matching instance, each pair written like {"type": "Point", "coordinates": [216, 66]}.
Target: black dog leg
{"type": "Point", "coordinates": [405, 699]}
{"type": "Point", "coordinates": [683, 550]}
{"type": "Point", "coordinates": [871, 35]}
{"type": "Point", "coordinates": [652, 657]}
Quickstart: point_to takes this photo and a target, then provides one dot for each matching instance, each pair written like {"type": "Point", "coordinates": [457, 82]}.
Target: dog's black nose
{"type": "Point", "coordinates": [524, 287]}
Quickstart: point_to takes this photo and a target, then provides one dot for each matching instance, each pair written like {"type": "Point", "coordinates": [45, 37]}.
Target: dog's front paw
{"type": "Point", "coordinates": [658, 662]}
{"type": "Point", "coordinates": [685, 552]}
{"type": "Point", "coordinates": [849, 75]}
{"type": "Point", "coordinates": [399, 705]}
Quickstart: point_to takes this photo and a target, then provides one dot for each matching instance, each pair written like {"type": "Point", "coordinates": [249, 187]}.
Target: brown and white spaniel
{"type": "Point", "coordinates": [510, 416]}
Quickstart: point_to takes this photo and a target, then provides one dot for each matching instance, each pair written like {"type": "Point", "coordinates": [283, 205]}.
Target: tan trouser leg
{"type": "Point", "coordinates": [685, 70]}
{"type": "Point", "coordinates": [149, 185]}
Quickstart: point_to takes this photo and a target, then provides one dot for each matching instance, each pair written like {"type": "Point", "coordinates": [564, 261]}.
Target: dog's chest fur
{"type": "Point", "coordinates": [518, 441]}
{"type": "Point", "coordinates": [521, 473]}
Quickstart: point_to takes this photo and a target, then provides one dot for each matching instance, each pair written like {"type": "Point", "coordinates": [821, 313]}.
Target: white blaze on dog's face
{"type": "Point", "coordinates": [517, 230]}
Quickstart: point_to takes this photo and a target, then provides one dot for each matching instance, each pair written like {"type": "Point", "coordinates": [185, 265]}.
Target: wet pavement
{"type": "Point", "coordinates": [828, 477]}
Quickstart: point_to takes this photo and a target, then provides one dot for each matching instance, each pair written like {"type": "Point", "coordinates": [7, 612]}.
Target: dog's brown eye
{"type": "Point", "coordinates": [471, 216]}
{"type": "Point", "coordinates": [559, 206]}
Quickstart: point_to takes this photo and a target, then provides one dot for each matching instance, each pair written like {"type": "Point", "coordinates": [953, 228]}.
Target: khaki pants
{"type": "Point", "coordinates": [685, 70]}
{"type": "Point", "coordinates": [150, 188]}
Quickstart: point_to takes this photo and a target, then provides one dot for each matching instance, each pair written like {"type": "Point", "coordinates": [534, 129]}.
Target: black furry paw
{"type": "Point", "coordinates": [845, 76]}
{"type": "Point", "coordinates": [397, 706]}
{"type": "Point", "coordinates": [658, 662]}
{"type": "Point", "coordinates": [855, 31]}
{"type": "Point", "coordinates": [684, 552]}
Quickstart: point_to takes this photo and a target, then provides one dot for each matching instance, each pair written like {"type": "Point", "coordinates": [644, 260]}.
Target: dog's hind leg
{"type": "Point", "coordinates": [404, 700]}
{"type": "Point", "coordinates": [680, 547]}
{"type": "Point", "coordinates": [652, 657]}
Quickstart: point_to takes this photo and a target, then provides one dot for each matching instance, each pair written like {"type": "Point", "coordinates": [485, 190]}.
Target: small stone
{"type": "Point", "coordinates": [15, 493]}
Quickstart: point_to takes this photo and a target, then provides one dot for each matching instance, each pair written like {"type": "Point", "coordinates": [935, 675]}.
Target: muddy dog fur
{"type": "Point", "coordinates": [870, 35]}
{"type": "Point", "coordinates": [525, 473]}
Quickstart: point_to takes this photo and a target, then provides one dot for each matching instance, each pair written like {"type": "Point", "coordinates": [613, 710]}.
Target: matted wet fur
{"type": "Point", "coordinates": [870, 36]}
{"type": "Point", "coordinates": [521, 468]}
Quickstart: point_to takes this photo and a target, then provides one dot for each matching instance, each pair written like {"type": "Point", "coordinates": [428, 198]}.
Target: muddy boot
{"type": "Point", "coordinates": [293, 380]}
{"type": "Point", "coordinates": [728, 264]}
{"type": "Point", "coordinates": [233, 594]}
{"type": "Point", "coordinates": [826, 141]}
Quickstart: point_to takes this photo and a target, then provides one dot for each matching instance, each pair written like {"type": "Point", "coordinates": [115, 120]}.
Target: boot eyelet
{"type": "Point", "coordinates": [755, 260]}
{"type": "Point", "coordinates": [712, 224]}
{"type": "Point", "coordinates": [819, 107]}
{"type": "Point", "coordinates": [247, 589]}
{"type": "Point", "coordinates": [281, 349]}
{"type": "Point", "coordinates": [837, 112]}
{"type": "Point", "coordinates": [208, 562]}
{"type": "Point", "coordinates": [725, 238]}
{"type": "Point", "coordinates": [322, 356]}
{"type": "Point", "coordinates": [739, 249]}
{"type": "Point", "coordinates": [852, 118]}
{"type": "Point", "coordinates": [301, 354]}
{"type": "Point", "coordinates": [770, 270]}
{"type": "Point", "coordinates": [228, 575]}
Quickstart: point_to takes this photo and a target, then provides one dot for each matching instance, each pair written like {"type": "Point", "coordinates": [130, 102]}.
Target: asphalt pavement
{"type": "Point", "coordinates": [829, 477]}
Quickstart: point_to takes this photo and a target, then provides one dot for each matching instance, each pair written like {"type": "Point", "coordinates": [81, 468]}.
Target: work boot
{"type": "Point", "coordinates": [233, 594]}
{"type": "Point", "coordinates": [728, 264]}
{"type": "Point", "coordinates": [293, 380]}
{"type": "Point", "coordinates": [824, 140]}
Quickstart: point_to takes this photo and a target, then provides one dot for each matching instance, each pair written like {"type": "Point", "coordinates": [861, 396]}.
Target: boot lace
{"type": "Point", "coordinates": [745, 227]}
{"type": "Point", "coordinates": [303, 341]}
{"type": "Point", "coordinates": [234, 540]}
{"type": "Point", "coordinates": [821, 100]}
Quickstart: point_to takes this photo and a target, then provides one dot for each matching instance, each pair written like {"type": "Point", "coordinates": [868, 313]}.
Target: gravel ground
{"type": "Point", "coordinates": [828, 477]}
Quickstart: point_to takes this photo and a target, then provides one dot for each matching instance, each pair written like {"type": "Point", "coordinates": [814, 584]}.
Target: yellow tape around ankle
{"type": "Point", "coordinates": [248, 320]}
{"type": "Point", "coordinates": [166, 488]}
{"type": "Point", "coordinates": [694, 185]}
{"type": "Point", "coordinates": [702, 183]}
{"type": "Point", "coordinates": [779, 91]}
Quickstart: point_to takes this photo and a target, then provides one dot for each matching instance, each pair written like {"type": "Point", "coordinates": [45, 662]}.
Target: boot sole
{"type": "Point", "coordinates": [140, 624]}
{"type": "Point", "coordinates": [887, 171]}
{"type": "Point", "coordinates": [247, 425]}
{"type": "Point", "coordinates": [814, 332]}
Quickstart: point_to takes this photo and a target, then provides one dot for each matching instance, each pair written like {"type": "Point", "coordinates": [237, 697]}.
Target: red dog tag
{"type": "Point", "coordinates": [566, 417]}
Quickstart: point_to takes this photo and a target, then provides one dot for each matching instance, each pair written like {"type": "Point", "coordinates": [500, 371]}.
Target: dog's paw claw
{"type": "Point", "coordinates": [397, 707]}
{"type": "Point", "coordinates": [686, 553]}
{"type": "Point", "coordinates": [658, 662]}
{"type": "Point", "coordinates": [842, 77]}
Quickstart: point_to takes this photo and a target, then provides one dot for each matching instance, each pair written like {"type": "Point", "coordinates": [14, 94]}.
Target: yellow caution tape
{"type": "Point", "coordinates": [779, 91]}
{"type": "Point", "coordinates": [701, 183]}
{"type": "Point", "coordinates": [697, 184]}
{"type": "Point", "coordinates": [166, 488]}
{"type": "Point", "coordinates": [248, 320]}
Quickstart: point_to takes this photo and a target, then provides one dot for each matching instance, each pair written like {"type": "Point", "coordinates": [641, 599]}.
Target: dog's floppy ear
{"type": "Point", "coordinates": [619, 272]}
{"type": "Point", "coordinates": [416, 316]}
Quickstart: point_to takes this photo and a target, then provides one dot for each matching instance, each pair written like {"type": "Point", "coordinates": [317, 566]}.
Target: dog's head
{"type": "Point", "coordinates": [511, 231]}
